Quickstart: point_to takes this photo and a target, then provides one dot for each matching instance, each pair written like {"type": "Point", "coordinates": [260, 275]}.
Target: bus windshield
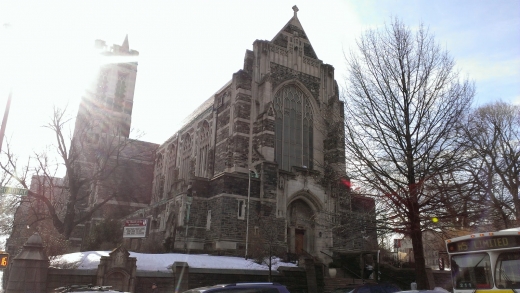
{"type": "Point", "coordinates": [471, 271]}
{"type": "Point", "coordinates": [507, 270]}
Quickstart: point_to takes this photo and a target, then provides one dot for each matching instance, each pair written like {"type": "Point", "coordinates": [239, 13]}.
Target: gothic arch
{"type": "Point", "coordinates": [302, 209]}
{"type": "Point", "coordinates": [307, 197]}
{"type": "Point", "coordinates": [186, 145]}
{"type": "Point", "coordinates": [203, 146]}
{"type": "Point", "coordinates": [294, 127]}
{"type": "Point", "coordinates": [304, 89]}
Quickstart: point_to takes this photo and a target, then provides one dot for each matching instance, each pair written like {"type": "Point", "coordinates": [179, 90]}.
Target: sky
{"type": "Point", "coordinates": [190, 49]}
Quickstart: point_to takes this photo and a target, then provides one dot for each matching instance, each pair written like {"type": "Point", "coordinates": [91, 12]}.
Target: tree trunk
{"type": "Point", "coordinates": [418, 253]}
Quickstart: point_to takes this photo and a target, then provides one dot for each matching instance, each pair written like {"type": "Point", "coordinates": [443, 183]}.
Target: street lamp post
{"type": "Point", "coordinates": [248, 196]}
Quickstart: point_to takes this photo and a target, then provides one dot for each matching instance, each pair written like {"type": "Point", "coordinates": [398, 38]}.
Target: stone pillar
{"type": "Point", "coordinates": [181, 272]}
{"type": "Point", "coordinates": [431, 280]}
{"type": "Point", "coordinates": [117, 269]}
{"type": "Point", "coordinates": [292, 236]}
{"type": "Point", "coordinates": [310, 272]}
{"type": "Point", "coordinates": [28, 272]}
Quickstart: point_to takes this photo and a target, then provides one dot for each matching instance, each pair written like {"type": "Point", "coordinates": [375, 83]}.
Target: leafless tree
{"type": "Point", "coordinates": [87, 158]}
{"type": "Point", "coordinates": [492, 139]}
{"type": "Point", "coordinates": [403, 100]}
{"type": "Point", "coordinates": [8, 204]}
{"type": "Point", "coordinates": [267, 242]}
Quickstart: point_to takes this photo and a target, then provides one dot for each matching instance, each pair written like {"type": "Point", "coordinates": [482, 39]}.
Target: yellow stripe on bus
{"type": "Point", "coordinates": [494, 291]}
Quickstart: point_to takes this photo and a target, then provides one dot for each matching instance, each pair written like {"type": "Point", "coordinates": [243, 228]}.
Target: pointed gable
{"type": "Point", "coordinates": [293, 32]}
{"type": "Point", "coordinates": [125, 45]}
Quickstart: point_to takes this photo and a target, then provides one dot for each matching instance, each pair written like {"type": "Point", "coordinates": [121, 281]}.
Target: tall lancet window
{"type": "Point", "coordinates": [293, 129]}
{"type": "Point", "coordinates": [185, 156]}
{"type": "Point", "coordinates": [203, 150]}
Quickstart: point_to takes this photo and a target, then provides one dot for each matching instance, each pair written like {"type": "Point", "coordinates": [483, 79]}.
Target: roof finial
{"type": "Point", "coordinates": [295, 9]}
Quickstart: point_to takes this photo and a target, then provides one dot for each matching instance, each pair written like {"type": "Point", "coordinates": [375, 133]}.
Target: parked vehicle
{"type": "Point", "coordinates": [435, 290]}
{"type": "Point", "coordinates": [242, 288]}
{"type": "Point", "coordinates": [345, 289]}
{"type": "Point", "coordinates": [86, 289]}
{"type": "Point", "coordinates": [369, 288]}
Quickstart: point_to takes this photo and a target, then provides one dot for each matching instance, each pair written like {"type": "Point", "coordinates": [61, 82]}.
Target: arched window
{"type": "Point", "coordinates": [159, 181]}
{"type": "Point", "coordinates": [185, 156]}
{"type": "Point", "coordinates": [293, 129]}
{"type": "Point", "coordinates": [172, 165]}
{"type": "Point", "coordinates": [203, 149]}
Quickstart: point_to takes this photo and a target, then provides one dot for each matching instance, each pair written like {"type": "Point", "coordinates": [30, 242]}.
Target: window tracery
{"type": "Point", "coordinates": [185, 156]}
{"type": "Point", "coordinates": [203, 149]}
{"type": "Point", "coordinates": [159, 181]}
{"type": "Point", "coordinates": [293, 129]}
{"type": "Point", "coordinates": [172, 164]}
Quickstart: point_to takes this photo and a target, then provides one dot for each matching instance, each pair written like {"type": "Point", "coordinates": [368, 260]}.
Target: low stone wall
{"type": "Point", "coordinates": [165, 281]}
{"type": "Point", "coordinates": [30, 272]}
{"type": "Point", "coordinates": [404, 277]}
{"type": "Point", "coordinates": [293, 278]}
{"type": "Point", "coordinates": [66, 277]}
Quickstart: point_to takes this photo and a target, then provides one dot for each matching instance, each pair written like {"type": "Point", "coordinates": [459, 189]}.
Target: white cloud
{"type": "Point", "coordinates": [481, 68]}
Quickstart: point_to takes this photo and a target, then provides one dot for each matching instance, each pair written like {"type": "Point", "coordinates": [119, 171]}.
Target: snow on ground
{"type": "Point", "coordinates": [162, 262]}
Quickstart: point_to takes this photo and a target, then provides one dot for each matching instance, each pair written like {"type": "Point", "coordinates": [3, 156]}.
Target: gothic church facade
{"type": "Point", "coordinates": [265, 152]}
{"type": "Point", "coordinates": [260, 160]}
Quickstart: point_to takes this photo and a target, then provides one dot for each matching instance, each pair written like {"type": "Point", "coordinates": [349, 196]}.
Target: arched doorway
{"type": "Point", "coordinates": [300, 227]}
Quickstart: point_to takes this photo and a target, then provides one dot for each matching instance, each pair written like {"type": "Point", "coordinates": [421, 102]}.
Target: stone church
{"type": "Point", "coordinates": [264, 153]}
{"type": "Point", "coordinates": [261, 159]}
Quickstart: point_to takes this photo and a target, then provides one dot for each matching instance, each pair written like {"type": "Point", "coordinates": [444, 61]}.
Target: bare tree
{"type": "Point", "coordinates": [267, 242]}
{"type": "Point", "coordinates": [492, 137]}
{"type": "Point", "coordinates": [402, 103]}
{"type": "Point", "coordinates": [89, 159]}
{"type": "Point", "coordinates": [8, 204]}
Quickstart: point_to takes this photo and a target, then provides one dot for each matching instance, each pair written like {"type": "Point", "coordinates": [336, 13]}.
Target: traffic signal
{"type": "Point", "coordinates": [4, 260]}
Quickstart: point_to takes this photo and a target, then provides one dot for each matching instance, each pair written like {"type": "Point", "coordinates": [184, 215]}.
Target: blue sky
{"type": "Point", "coordinates": [189, 49]}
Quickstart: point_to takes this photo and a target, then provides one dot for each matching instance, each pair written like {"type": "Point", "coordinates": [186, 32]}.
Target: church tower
{"type": "Point", "coordinates": [107, 105]}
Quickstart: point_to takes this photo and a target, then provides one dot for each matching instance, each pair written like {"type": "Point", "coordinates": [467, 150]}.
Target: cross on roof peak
{"type": "Point", "coordinates": [295, 9]}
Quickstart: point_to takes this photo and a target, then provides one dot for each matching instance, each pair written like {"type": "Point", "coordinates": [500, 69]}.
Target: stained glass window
{"type": "Point", "coordinates": [293, 129]}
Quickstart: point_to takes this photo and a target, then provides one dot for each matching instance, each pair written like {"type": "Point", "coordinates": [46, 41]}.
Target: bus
{"type": "Point", "coordinates": [486, 262]}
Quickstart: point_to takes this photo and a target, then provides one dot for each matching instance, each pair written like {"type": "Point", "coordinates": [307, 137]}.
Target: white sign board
{"type": "Point", "coordinates": [136, 228]}
{"type": "Point", "coordinates": [13, 190]}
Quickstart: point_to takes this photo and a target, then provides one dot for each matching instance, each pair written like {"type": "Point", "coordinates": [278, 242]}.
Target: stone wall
{"type": "Point", "coordinates": [166, 282]}
{"type": "Point", "coordinates": [288, 276]}
{"type": "Point", "coordinates": [66, 277]}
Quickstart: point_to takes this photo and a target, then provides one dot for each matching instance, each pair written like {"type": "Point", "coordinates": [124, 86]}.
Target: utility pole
{"type": "Point", "coordinates": [4, 121]}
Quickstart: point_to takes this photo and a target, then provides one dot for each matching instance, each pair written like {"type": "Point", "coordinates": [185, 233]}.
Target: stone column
{"type": "Point", "coordinates": [292, 236]}
{"type": "Point", "coordinates": [28, 272]}
{"type": "Point", "coordinates": [181, 271]}
{"type": "Point", "coordinates": [310, 271]}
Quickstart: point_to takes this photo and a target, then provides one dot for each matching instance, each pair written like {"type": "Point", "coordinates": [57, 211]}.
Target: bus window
{"type": "Point", "coordinates": [507, 270]}
{"type": "Point", "coordinates": [471, 271]}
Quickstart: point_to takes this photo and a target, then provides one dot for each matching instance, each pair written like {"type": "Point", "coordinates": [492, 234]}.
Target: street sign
{"type": "Point", "coordinates": [136, 228]}
{"type": "Point", "coordinates": [4, 260]}
{"type": "Point", "coordinates": [13, 190]}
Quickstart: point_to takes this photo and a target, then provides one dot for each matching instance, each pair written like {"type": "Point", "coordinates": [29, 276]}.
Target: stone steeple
{"type": "Point", "coordinates": [294, 34]}
{"type": "Point", "coordinates": [125, 45]}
